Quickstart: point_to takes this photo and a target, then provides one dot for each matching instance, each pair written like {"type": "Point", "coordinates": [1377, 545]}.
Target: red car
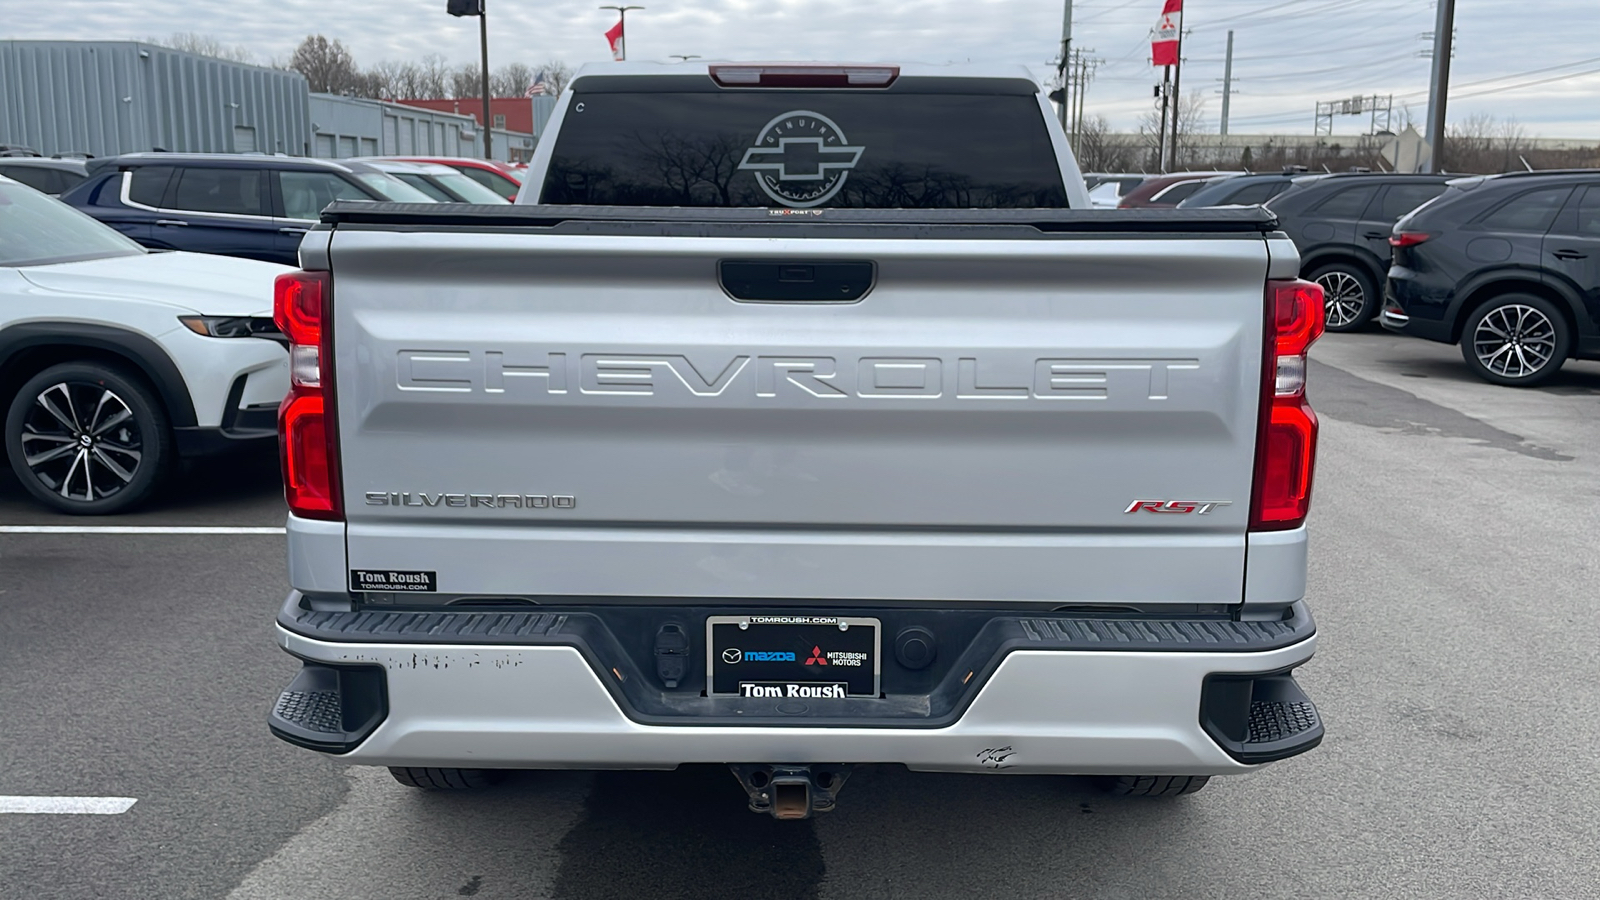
{"type": "Point", "coordinates": [1166, 191]}
{"type": "Point", "coordinates": [502, 178]}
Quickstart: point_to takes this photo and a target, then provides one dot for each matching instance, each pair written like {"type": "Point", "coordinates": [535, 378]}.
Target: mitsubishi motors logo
{"type": "Point", "coordinates": [801, 159]}
{"type": "Point", "coordinates": [817, 657]}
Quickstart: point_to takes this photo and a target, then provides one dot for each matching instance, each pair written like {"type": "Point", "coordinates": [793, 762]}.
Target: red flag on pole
{"type": "Point", "coordinates": [1164, 39]}
{"type": "Point", "coordinates": [614, 36]}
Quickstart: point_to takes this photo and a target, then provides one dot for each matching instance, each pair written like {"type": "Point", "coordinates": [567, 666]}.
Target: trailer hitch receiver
{"type": "Point", "coordinates": [791, 791]}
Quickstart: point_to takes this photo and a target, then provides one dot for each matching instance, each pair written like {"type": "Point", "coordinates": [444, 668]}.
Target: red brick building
{"type": "Point", "coordinates": [510, 113]}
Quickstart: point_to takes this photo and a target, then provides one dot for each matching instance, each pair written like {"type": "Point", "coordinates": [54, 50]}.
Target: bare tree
{"type": "Point", "coordinates": [327, 65]}
{"type": "Point", "coordinates": [433, 78]}
{"type": "Point", "coordinates": [1099, 150]}
{"type": "Point", "coordinates": [464, 82]}
{"type": "Point", "coordinates": [511, 80]}
{"type": "Point", "coordinates": [1191, 121]}
{"type": "Point", "coordinates": [203, 45]}
{"type": "Point", "coordinates": [557, 75]}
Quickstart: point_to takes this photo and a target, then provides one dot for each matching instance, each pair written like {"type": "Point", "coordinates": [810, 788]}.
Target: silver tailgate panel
{"type": "Point", "coordinates": [974, 429]}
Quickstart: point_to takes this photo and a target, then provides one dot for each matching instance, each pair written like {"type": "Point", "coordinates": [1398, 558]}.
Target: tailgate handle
{"type": "Point", "coordinates": [791, 281]}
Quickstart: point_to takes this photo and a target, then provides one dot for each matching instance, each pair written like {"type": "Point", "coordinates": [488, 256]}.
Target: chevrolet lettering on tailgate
{"type": "Point", "coordinates": [825, 377]}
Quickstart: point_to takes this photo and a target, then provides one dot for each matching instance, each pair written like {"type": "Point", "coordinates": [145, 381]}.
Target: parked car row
{"type": "Point", "coordinates": [1506, 266]}
{"type": "Point", "coordinates": [249, 206]}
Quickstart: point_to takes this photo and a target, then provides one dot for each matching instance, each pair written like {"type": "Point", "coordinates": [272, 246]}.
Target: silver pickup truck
{"type": "Point", "coordinates": [799, 417]}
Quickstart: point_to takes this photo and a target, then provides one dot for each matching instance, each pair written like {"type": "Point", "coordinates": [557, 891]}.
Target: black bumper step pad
{"type": "Point", "coordinates": [330, 708]}
{"type": "Point", "coordinates": [1259, 718]}
{"type": "Point", "coordinates": [318, 711]}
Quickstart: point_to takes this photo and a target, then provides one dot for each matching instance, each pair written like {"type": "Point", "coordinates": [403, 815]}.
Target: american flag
{"type": "Point", "coordinates": [538, 88]}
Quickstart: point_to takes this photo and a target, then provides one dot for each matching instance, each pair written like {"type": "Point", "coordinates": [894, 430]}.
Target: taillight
{"type": "Point", "coordinates": [1286, 442]}
{"type": "Point", "coordinates": [307, 435]}
{"type": "Point", "coordinates": [805, 76]}
{"type": "Point", "coordinates": [1408, 238]}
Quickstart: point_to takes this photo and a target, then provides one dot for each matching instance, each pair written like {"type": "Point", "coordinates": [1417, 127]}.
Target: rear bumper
{"type": "Point", "coordinates": [1121, 710]}
{"type": "Point", "coordinates": [1416, 309]}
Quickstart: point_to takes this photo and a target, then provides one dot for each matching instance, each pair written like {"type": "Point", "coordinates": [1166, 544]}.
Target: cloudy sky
{"type": "Point", "coordinates": [1535, 62]}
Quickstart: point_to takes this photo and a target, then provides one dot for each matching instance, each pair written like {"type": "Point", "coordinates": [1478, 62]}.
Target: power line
{"type": "Point", "coordinates": [1581, 62]}
{"type": "Point", "coordinates": [1525, 84]}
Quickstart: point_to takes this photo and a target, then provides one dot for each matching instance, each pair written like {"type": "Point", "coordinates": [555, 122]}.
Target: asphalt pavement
{"type": "Point", "coordinates": [1454, 557]}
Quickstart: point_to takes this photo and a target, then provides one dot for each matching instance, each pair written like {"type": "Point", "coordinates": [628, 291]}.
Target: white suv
{"type": "Point", "coordinates": [116, 361]}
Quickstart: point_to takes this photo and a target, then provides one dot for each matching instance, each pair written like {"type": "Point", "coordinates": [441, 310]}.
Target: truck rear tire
{"type": "Point", "coordinates": [1153, 785]}
{"type": "Point", "coordinates": [445, 779]}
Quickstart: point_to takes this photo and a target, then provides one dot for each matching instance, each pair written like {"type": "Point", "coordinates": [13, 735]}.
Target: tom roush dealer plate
{"type": "Point", "coordinates": [799, 657]}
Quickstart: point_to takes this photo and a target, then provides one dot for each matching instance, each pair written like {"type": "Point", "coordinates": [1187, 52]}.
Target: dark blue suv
{"type": "Point", "coordinates": [256, 207]}
{"type": "Point", "coordinates": [1508, 266]}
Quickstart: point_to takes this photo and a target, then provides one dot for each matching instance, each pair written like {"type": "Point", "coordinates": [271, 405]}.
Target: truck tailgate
{"type": "Point", "coordinates": [591, 414]}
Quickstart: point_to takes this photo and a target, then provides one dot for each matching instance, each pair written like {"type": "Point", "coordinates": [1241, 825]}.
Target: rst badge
{"type": "Point", "coordinates": [1176, 507]}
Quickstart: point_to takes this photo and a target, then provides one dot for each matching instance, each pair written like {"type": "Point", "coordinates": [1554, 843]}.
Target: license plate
{"type": "Point", "coordinates": [792, 657]}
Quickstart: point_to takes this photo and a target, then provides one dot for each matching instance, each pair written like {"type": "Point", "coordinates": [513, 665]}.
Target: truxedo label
{"type": "Point", "coordinates": [555, 375]}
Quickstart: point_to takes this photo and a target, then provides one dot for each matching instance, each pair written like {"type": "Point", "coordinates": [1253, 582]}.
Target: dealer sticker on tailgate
{"type": "Point", "coordinates": [393, 580]}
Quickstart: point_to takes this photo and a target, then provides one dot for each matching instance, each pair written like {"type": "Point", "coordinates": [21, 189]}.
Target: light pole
{"type": "Point", "coordinates": [483, 43]}
{"type": "Point", "coordinates": [477, 8]}
{"type": "Point", "coordinates": [622, 22]}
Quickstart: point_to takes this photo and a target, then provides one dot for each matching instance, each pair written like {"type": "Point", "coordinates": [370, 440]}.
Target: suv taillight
{"type": "Point", "coordinates": [1286, 443]}
{"type": "Point", "coordinates": [1408, 238]}
{"type": "Point", "coordinates": [307, 436]}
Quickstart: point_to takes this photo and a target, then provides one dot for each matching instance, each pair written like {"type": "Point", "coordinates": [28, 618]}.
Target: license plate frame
{"type": "Point", "coordinates": [773, 652]}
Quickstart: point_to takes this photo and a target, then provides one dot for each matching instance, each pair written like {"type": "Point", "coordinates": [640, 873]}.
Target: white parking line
{"type": "Point", "coordinates": [138, 529]}
{"type": "Point", "coordinates": [67, 806]}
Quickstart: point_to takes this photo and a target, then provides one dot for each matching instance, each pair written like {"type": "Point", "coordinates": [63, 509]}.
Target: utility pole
{"type": "Point", "coordinates": [1177, 94]}
{"type": "Point", "coordinates": [622, 19]}
{"type": "Point", "coordinates": [1063, 69]}
{"type": "Point", "coordinates": [1227, 84]}
{"type": "Point", "coordinates": [1083, 90]}
{"type": "Point", "coordinates": [483, 45]}
{"type": "Point", "coordinates": [1164, 90]}
{"type": "Point", "coordinates": [1439, 87]}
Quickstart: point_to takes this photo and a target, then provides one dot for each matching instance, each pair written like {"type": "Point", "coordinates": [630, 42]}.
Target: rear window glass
{"type": "Point", "coordinates": [233, 191]}
{"type": "Point", "coordinates": [866, 150]}
{"type": "Point", "coordinates": [40, 179]}
{"type": "Point", "coordinates": [1346, 204]}
{"type": "Point", "coordinates": [1589, 212]}
{"type": "Point", "coordinates": [1403, 198]}
{"type": "Point", "coordinates": [1179, 192]}
{"type": "Point", "coordinates": [149, 184]}
{"type": "Point", "coordinates": [1533, 211]}
{"type": "Point", "coordinates": [1260, 192]}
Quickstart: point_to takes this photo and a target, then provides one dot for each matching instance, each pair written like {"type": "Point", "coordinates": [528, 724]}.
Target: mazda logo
{"type": "Point", "coordinates": [731, 655]}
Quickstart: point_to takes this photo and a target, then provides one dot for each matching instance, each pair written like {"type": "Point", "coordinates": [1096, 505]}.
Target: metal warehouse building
{"type": "Point", "coordinates": [108, 97]}
{"type": "Point", "coordinates": [350, 126]}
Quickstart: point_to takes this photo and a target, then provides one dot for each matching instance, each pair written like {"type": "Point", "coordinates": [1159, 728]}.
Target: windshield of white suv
{"type": "Point", "coordinates": [392, 188]}
{"type": "Point", "coordinates": [36, 230]}
{"type": "Point", "coordinates": [467, 189]}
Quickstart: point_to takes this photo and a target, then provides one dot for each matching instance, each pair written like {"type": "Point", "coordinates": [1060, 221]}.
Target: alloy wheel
{"type": "Point", "coordinates": [1514, 341]}
{"type": "Point", "coordinates": [81, 441]}
{"type": "Point", "coordinates": [1343, 297]}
